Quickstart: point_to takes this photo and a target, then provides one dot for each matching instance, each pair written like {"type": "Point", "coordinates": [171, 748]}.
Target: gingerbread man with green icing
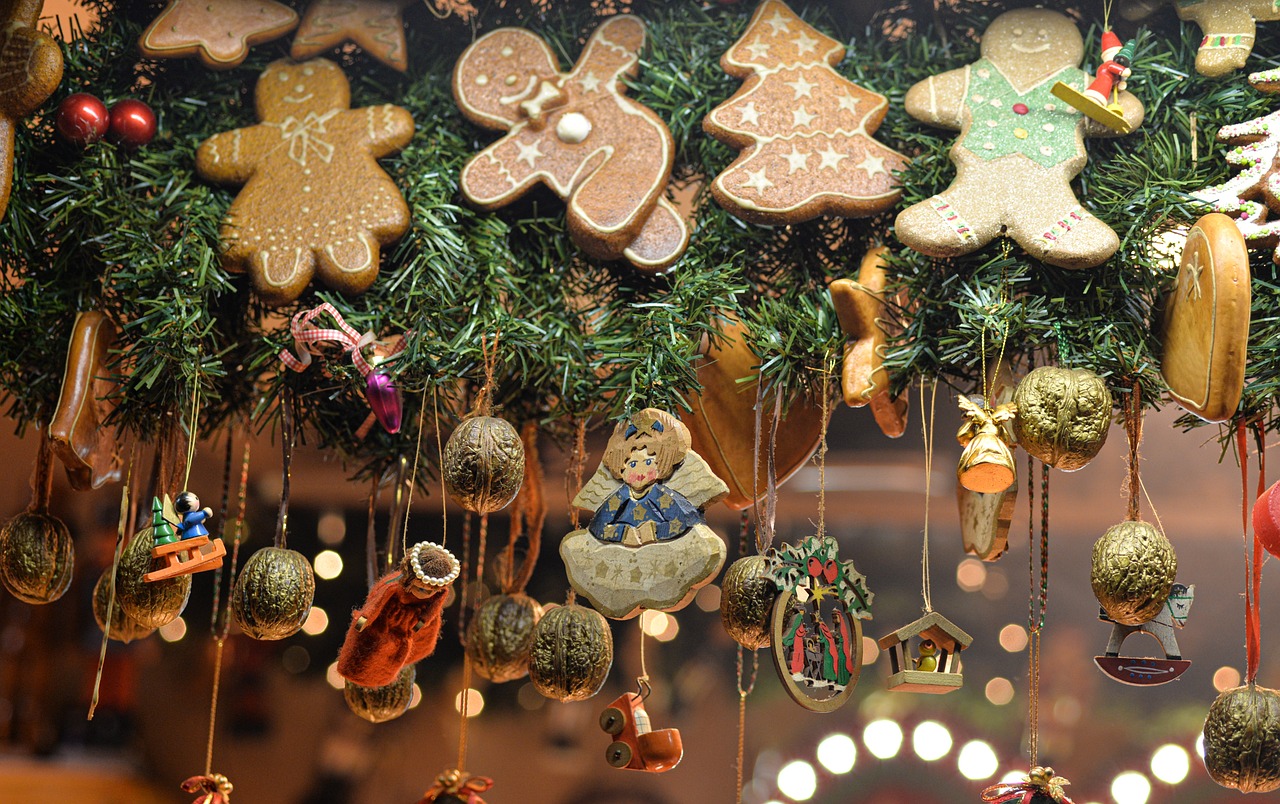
{"type": "Point", "coordinates": [1019, 147]}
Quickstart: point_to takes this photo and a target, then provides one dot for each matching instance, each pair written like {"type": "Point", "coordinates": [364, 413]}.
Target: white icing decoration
{"type": "Point", "coordinates": [529, 153]}
{"type": "Point", "coordinates": [573, 128]}
{"type": "Point", "coordinates": [801, 87]}
{"type": "Point", "coordinates": [749, 114]}
{"type": "Point", "coordinates": [756, 179]}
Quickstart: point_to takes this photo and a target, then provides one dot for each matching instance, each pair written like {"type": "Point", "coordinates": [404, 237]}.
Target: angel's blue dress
{"type": "Point", "coordinates": [670, 511]}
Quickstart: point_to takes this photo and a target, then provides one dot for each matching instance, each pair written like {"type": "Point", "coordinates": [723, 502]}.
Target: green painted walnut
{"type": "Point", "coordinates": [1242, 739]}
{"type": "Point", "coordinates": [1133, 570]}
{"type": "Point", "coordinates": [1063, 416]}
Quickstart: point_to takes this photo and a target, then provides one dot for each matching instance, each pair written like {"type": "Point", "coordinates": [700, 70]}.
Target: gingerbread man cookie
{"type": "Point", "coordinates": [220, 33]}
{"type": "Point", "coordinates": [1229, 28]}
{"type": "Point", "coordinates": [30, 70]}
{"type": "Point", "coordinates": [804, 130]}
{"type": "Point", "coordinates": [578, 133]}
{"type": "Point", "coordinates": [1019, 147]}
{"type": "Point", "coordinates": [314, 197]}
{"type": "Point", "coordinates": [377, 26]}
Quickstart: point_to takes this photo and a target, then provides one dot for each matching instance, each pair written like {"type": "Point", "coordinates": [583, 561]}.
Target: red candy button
{"type": "Point", "coordinates": [1020, 108]}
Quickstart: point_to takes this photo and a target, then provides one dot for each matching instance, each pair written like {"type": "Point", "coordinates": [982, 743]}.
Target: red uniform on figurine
{"type": "Point", "coordinates": [1113, 71]}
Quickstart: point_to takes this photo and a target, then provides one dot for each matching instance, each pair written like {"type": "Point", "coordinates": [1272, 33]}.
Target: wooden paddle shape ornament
{"type": "Point", "coordinates": [85, 446]}
{"type": "Point", "coordinates": [722, 421]}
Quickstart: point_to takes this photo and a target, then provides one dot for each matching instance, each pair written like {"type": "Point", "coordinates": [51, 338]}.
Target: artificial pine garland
{"type": "Point", "coordinates": [135, 235]}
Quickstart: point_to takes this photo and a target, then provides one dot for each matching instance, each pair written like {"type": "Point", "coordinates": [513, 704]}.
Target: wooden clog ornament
{"type": "Point", "coordinates": [1147, 671]}
{"type": "Point", "coordinates": [636, 744]}
{"type": "Point", "coordinates": [722, 421]}
{"type": "Point", "coordinates": [986, 465]}
{"type": "Point", "coordinates": [81, 439]}
{"type": "Point", "coordinates": [861, 308]}
{"type": "Point", "coordinates": [648, 545]}
{"type": "Point", "coordinates": [817, 623]}
{"type": "Point", "coordinates": [1206, 320]}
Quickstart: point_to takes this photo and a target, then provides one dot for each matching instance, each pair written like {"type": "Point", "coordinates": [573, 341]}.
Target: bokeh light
{"type": "Point", "coordinates": [931, 741]}
{"type": "Point", "coordinates": [317, 621]}
{"type": "Point", "coordinates": [999, 691]}
{"type": "Point", "coordinates": [1131, 787]}
{"type": "Point", "coordinates": [883, 738]}
{"type": "Point", "coordinates": [328, 565]}
{"type": "Point", "coordinates": [1170, 764]}
{"type": "Point", "coordinates": [971, 574]}
{"type": "Point", "coordinates": [475, 702]}
{"type": "Point", "coordinates": [837, 753]}
{"type": "Point", "coordinates": [1013, 638]}
{"type": "Point", "coordinates": [798, 780]}
{"type": "Point", "coordinates": [173, 630]}
{"type": "Point", "coordinates": [978, 761]}
{"type": "Point", "coordinates": [1225, 678]}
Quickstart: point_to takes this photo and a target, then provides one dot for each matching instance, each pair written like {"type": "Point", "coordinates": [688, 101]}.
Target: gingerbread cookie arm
{"type": "Point", "coordinates": [386, 128]}
{"type": "Point", "coordinates": [939, 99]}
{"type": "Point", "coordinates": [612, 53]}
{"type": "Point", "coordinates": [1133, 112]}
{"type": "Point", "coordinates": [500, 174]}
{"type": "Point", "coordinates": [232, 156]}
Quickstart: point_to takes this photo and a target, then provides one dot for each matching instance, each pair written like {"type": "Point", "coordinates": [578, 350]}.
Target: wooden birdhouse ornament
{"type": "Point", "coordinates": [925, 655]}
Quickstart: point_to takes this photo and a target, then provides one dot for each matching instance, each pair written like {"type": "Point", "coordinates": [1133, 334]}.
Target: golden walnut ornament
{"type": "Point", "coordinates": [380, 704]}
{"type": "Point", "coordinates": [747, 594]}
{"type": "Point", "coordinates": [123, 627]}
{"type": "Point", "coordinates": [572, 653]}
{"type": "Point", "coordinates": [273, 594]}
{"type": "Point", "coordinates": [500, 636]}
{"type": "Point", "coordinates": [1063, 416]}
{"type": "Point", "coordinates": [153, 604]}
{"type": "Point", "coordinates": [1133, 570]}
{"type": "Point", "coordinates": [1242, 739]}
{"type": "Point", "coordinates": [37, 556]}
{"type": "Point", "coordinates": [483, 464]}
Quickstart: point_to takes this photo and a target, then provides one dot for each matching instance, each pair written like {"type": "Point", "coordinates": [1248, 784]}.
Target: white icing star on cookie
{"type": "Point", "coordinates": [848, 103]}
{"type": "Point", "coordinates": [757, 180]}
{"type": "Point", "coordinates": [758, 49]}
{"type": "Point", "coordinates": [750, 115]}
{"type": "Point", "coordinates": [796, 160]}
{"type": "Point", "coordinates": [801, 117]}
{"type": "Point", "coordinates": [779, 23]}
{"type": "Point", "coordinates": [802, 88]}
{"type": "Point", "coordinates": [873, 165]}
{"type": "Point", "coordinates": [529, 153]}
{"type": "Point", "coordinates": [589, 82]}
{"type": "Point", "coordinates": [805, 43]}
{"type": "Point", "coordinates": [832, 158]}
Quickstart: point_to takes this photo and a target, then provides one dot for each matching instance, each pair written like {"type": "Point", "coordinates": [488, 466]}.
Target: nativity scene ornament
{"type": "Point", "coordinates": [817, 622]}
{"type": "Point", "coordinates": [648, 545]}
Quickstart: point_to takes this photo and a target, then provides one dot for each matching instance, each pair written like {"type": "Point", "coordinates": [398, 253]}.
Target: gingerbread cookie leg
{"type": "Point", "coordinates": [280, 276]}
{"type": "Point", "coordinates": [959, 220]}
{"type": "Point", "coordinates": [662, 240]}
{"type": "Point", "coordinates": [1229, 30]}
{"type": "Point", "coordinates": [1052, 226]}
{"type": "Point", "coordinates": [609, 209]}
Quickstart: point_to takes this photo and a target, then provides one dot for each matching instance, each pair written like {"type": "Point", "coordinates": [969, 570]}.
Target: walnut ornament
{"type": "Point", "coordinates": [380, 704]}
{"type": "Point", "coordinates": [150, 604]}
{"type": "Point", "coordinates": [273, 593]}
{"type": "Point", "coordinates": [572, 653]}
{"type": "Point", "coordinates": [1242, 739]}
{"type": "Point", "coordinates": [500, 636]}
{"type": "Point", "coordinates": [1063, 416]}
{"type": "Point", "coordinates": [123, 627]}
{"type": "Point", "coordinates": [1133, 570]}
{"type": "Point", "coordinates": [747, 594]}
{"type": "Point", "coordinates": [483, 464]}
{"type": "Point", "coordinates": [37, 557]}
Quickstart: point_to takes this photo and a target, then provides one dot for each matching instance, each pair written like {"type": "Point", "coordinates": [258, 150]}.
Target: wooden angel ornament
{"type": "Point", "coordinates": [648, 545]}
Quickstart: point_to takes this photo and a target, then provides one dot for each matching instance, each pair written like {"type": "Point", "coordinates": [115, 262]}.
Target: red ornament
{"type": "Point", "coordinates": [82, 119]}
{"type": "Point", "coordinates": [1266, 520]}
{"type": "Point", "coordinates": [1021, 108]}
{"type": "Point", "coordinates": [133, 124]}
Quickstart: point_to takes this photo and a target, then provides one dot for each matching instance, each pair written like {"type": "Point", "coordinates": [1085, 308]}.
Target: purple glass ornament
{"type": "Point", "coordinates": [384, 398]}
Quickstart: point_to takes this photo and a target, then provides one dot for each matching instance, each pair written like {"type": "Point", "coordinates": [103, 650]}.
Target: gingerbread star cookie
{"type": "Point", "coordinates": [804, 130]}
{"type": "Point", "coordinates": [30, 70]}
{"type": "Point", "coordinates": [220, 32]}
{"type": "Point", "coordinates": [377, 26]}
{"type": "Point", "coordinates": [579, 134]}
{"type": "Point", "coordinates": [314, 199]}
{"type": "Point", "coordinates": [860, 306]}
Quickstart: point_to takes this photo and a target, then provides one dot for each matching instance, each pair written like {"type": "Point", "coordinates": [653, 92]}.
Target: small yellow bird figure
{"type": "Point", "coordinates": [928, 661]}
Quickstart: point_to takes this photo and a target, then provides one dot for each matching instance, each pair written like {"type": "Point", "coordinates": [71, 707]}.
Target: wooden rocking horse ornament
{"type": "Point", "coordinates": [183, 551]}
{"type": "Point", "coordinates": [1148, 672]}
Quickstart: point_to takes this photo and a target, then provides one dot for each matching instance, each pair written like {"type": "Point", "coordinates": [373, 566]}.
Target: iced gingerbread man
{"type": "Point", "coordinates": [1018, 150]}
{"type": "Point", "coordinates": [1230, 28]}
{"type": "Point", "coordinates": [609, 157]}
{"type": "Point", "coordinates": [314, 198]}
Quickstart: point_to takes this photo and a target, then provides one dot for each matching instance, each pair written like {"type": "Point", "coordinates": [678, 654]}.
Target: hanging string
{"type": "Point", "coordinates": [744, 690]}
{"type": "Point", "coordinates": [642, 680]}
{"type": "Point", "coordinates": [465, 575]}
{"type": "Point", "coordinates": [413, 476]}
{"type": "Point", "coordinates": [371, 534]}
{"type": "Point", "coordinates": [822, 445]}
{"type": "Point", "coordinates": [1252, 557]}
{"type": "Point", "coordinates": [125, 519]}
{"type": "Point", "coordinates": [577, 467]}
{"type": "Point", "coordinates": [1133, 432]}
{"type": "Point", "coordinates": [927, 431]}
{"type": "Point", "coordinates": [220, 633]}
{"type": "Point", "coordinates": [1258, 557]}
{"type": "Point", "coordinates": [489, 353]}
{"type": "Point", "coordinates": [444, 494]}
{"type": "Point", "coordinates": [398, 513]}
{"type": "Point", "coordinates": [286, 449]}
{"type": "Point", "coordinates": [528, 517]}
{"type": "Point", "coordinates": [224, 504]}
{"type": "Point", "coordinates": [1038, 599]}
{"type": "Point", "coordinates": [193, 424]}
{"type": "Point", "coordinates": [468, 603]}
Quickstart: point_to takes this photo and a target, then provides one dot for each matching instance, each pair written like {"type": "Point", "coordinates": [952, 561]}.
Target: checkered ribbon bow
{"type": "Point", "coordinates": [307, 339]}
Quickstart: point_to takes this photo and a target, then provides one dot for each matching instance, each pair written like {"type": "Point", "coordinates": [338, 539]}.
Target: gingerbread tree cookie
{"type": "Point", "coordinates": [377, 26]}
{"type": "Point", "coordinates": [314, 197]}
{"type": "Point", "coordinates": [804, 130]}
{"type": "Point", "coordinates": [579, 134]}
{"type": "Point", "coordinates": [220, 33]}
{"type": "Point", "coordinates": [1018, 150]}
{"type": "Point", "coordinates": [1250, 195]}
{"type": "Point", "coordinates": [30, 70]}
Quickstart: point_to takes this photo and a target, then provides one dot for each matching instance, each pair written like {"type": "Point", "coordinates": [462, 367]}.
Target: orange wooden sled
{"type": "Point", "coordinates": [185, 557]}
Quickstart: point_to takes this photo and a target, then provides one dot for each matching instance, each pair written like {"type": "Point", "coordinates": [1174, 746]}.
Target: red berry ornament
{"type": "Point", "coordinates": [133, 124]}
{"type": "Point", "coordinates": [82, 119]}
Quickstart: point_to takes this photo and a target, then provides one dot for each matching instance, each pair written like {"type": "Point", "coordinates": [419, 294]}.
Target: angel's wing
{"type": "Point", "coordinates": [695, 480]}
{"type": "Point", "coordinates": [969, 407]}
{"type": "Point", "coordinates": [596, 490]}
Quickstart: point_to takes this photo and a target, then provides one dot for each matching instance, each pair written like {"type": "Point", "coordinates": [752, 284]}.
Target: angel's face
{"type": "Point", "coordinates": [640, 471]}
